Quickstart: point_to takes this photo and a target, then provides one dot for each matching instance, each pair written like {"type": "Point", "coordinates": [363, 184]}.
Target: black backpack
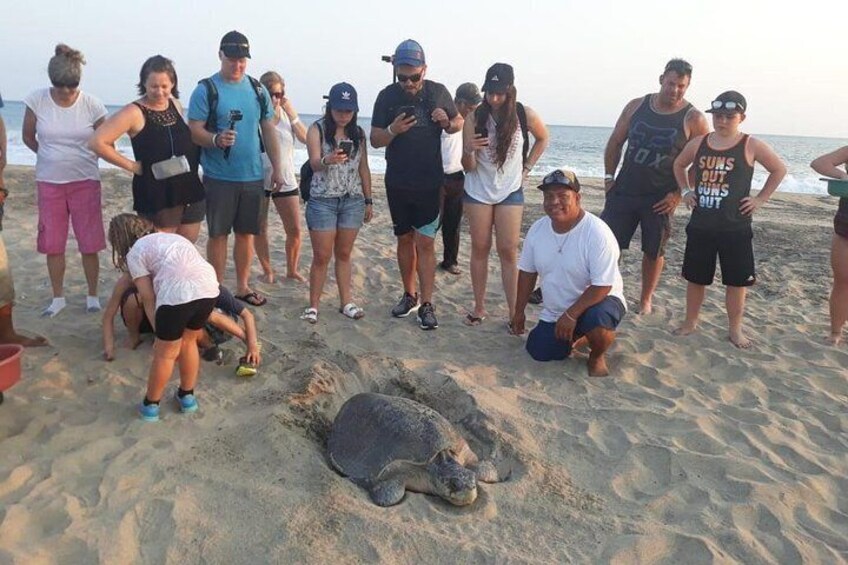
{"type": "Point", "coordinates": [212, 98]}
{"type": "Point", "coordinates": [522, 121]}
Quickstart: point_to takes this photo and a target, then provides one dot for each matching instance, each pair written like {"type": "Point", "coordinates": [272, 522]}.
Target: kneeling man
{"type": "Point", "coordinates": [576, 254]}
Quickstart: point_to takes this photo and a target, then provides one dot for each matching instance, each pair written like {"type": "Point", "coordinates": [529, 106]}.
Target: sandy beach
{"type": "Point", "coordinates": [691, 452]}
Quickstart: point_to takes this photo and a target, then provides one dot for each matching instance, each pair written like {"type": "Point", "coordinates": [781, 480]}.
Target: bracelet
{"type": "Point", "coordinates": [323, 162]}
{"type": "Point", "coordinates": [686, 193]}
{"type": "Point", "coordinates": [608, 177]}
{"type": "Point", "coordinates": [369, 202]}
{"type": "Point", "coordinates": [295, 121]}
{"type": "Point", "coordinates": [389, 129]}
{"type": "Point", "coordinates": [215, 139]}
{"type": "Point", "coordinates": [567, 315]}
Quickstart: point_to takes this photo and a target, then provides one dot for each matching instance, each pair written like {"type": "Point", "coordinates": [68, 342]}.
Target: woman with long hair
{"type": "Point", "coordinates": [166, 187]}
{"type": "Point", "coordinates": [340, 197]}
{"type": "Point", "coordinates": [497, 161]}
{"type": "Point", "coordinates": [57, 124]}
{"type": "Point", "coordinates": [288, 127]}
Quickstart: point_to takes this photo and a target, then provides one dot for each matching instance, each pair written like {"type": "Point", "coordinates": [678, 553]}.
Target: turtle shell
{"type": "Point", "coordinates": [372, 431]}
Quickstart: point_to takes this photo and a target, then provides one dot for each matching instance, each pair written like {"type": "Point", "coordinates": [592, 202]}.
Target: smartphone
{"type": "Point", "coordinates": [346, 145]}
{"type": "Point", "coordinates": [484, 131]}
{"type": "Point", "coordinates": [409, 111]}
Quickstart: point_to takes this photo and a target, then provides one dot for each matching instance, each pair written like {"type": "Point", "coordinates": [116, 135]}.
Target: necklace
{"type": "Point", "coordinates": [561, 240]}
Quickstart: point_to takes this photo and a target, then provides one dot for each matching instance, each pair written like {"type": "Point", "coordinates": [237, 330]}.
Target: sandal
{"type": "Point", "coordinates": [310, 315]}
{"type": "Point", "coordinates": [472, 320]}
{"type": "Point", "coordinates": [352, 311]}
{"type": "Point", "coordinates": [253, 298]}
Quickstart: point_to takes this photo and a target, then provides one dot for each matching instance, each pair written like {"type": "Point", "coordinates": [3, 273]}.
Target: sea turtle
{"type": "Point", "coordinates": [388, 444]}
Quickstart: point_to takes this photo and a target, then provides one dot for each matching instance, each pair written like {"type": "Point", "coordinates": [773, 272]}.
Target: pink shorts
{"type": "Point", "coordinates": [79, 201]}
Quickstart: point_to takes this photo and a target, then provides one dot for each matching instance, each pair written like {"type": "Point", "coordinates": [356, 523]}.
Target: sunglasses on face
{"type": "Point", "coordinates": [410, 78]}
{"type": "Point", "coordinates": [728, 105]}
{"type": "Point", "coordinates": [279, 95]}
{"type": "Point", "coordinates": [71, 85]}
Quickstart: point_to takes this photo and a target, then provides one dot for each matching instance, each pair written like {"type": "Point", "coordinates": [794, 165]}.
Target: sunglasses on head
{"type": "Point", "coordinates": [411, 78]}
{"type": "Point", "coordinates": [560, 177]}
{"type": "Point", "coordinates": [727, 105]}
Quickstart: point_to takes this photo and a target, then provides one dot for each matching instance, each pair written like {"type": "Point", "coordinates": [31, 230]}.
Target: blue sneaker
{"type": "Point", "coordinates": [149, 413]}
{"type": "Point", "coordinates": [188, 403]}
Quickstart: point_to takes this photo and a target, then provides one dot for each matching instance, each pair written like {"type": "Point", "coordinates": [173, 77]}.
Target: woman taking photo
{"type": "Point", "coordinates": [166, 187]}
{"type": "Point", "coordinates": [496, 162]}
{"type": "Point", "coordinates": [340, 196]}
{"type": "Point", "coordinates": [288, 127]}
{"type": "Point", "coordinates": [57, 125]}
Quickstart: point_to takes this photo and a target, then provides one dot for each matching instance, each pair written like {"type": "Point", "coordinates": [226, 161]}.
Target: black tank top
{"type": "Point", "coordinates": [723, 179]}
{"type": "Point", "coordinates": [153, 144]}
{"type": "Point", "coordinates": [653, 142]}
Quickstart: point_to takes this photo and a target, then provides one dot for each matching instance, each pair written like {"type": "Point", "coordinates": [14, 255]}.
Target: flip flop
{"type": "Point", "coordinates": [310, 315]}
{"type": "Point", "coordinates": [253, 298]}
{"type": "Point", "coordinates": [472, 320]}
{"type": "Point", "coordinates": [352, 311]}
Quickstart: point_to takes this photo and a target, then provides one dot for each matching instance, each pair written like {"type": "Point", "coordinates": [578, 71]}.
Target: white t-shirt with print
{"type": "Point", "coordinates": [569, 263]}
{"type": "Point", "coordinates": [62, 134]}
{"type": "Point", "coordinates": [179, 273]}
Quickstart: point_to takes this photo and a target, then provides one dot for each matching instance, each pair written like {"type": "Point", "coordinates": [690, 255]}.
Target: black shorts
{"type": "Point", "coordinates": [415, 210]}
{"type": "Point", "coordinates": [735, 252]}
{"type": "Point", "coordinates": [623, 213]}
{"type": "Point", "coordinates": [172, 321]}
{"type": "Point", "coordinates": [840, 220]}
{"type": "Point", "coordinates": [282, 193]}
{"type": "Point", "coordinates": [176, 216]}
{"type": "Point", "coordinates": [132, 294]}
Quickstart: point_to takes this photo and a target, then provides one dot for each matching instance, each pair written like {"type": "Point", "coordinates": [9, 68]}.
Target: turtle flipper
{"type": "Point", "coordinates": [486, 472]}
{"type": "Point", "coordinates": [388, 492]}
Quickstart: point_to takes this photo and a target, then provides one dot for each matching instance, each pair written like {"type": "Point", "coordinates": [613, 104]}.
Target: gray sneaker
{"type": "Point", "coordinates": [405, 306]}
{"type": "Point", "coordinates": [427, 317]}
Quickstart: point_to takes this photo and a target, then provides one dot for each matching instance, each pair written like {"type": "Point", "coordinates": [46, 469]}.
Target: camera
{"type": "Point", "coordinates": [235, 116]}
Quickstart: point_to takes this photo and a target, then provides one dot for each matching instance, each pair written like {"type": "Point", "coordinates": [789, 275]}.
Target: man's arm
{"type": "Point", "coordinates": [568, 321]}
{"type": "Point", "coordinates": [763, 154]}
{"type": "Point", "coordinates": [695, 124]}
{"type": "Point", "coordinates": [612, 152]}
{"type": "Point", "coordinates": [272, 149]}
{"type": "Point", "coordinates": [829, 164]}
{"type": "Point", "coordinates": [526, 284]}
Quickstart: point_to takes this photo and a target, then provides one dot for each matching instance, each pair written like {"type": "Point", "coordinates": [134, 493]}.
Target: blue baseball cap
{"type": "Point", "coordinates": [343, 97]}
{"type": "Point", "coordinates": [409, 53]}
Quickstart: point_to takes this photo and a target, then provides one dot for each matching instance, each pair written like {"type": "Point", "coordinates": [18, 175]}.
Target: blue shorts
{"type": "Point", "coordinates": [542, 344]}
{"type": "Point", "coordinates": [515, 198]}
{"type": "Point", "coordinates": [341, 213]}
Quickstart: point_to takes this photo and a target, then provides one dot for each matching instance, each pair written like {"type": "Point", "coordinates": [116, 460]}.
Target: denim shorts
{"type": "Point", "coordinates": [515, 198]}
{"type": "Point", "coordinates": [542, 344]}
{"type": "Point", "coordinates": [340, 213]}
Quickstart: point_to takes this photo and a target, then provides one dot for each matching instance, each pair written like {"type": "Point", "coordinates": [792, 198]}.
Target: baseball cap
{"type": "Point", "coordinates": [469, 93]}
{"type": "Point", "coordinates": [499, 77]}
{"type": "Point", "coordinates": [560, 177]}
{"type": "Point", "coordinates": [409, 53]}
{"type": "Point", "coordinates": [235, 45]}
{"type": "Point", "coordinates": [728, 103]}
{"type": "Point", "coordinates": [343, 97]}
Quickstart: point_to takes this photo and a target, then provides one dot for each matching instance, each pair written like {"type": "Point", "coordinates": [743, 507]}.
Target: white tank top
{"type": "Point", "coordinates": [489, 184]}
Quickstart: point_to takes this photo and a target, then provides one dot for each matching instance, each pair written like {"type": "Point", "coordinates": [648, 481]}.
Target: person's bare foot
{"type": "Point", "coordinates": [579, 343]}
{"type": "Point", "coordinates": [267, 278]}
{"type": "Point", "coordinates": [739, 339]}
{"type": "Point", "coordinates": [134, 341]}
{"type": "Point", "coordinates": [296, 277]}
{"type": "Point", "coordinates": [687, 328]}
{"type": "Point", "coordinates": [37, 341]}
{"type": "Point", "coordinates": [597, 366]}
{"type": "Point", "coordinates": [645, 308]}
{"type": "Point", "coordinates": [834, 339]}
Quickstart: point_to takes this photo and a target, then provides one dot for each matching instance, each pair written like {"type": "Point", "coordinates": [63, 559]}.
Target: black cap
{"type": "Point", "coordinates": [560, 178]}
{"type": "Point", "coordinates": [499, 77]}
{"type": "Point", "coordinates": [728, 102]}
{"type": "Point", "coordinates": [469, 93]}
{"type": "Point", "coordinates": [235, 45]}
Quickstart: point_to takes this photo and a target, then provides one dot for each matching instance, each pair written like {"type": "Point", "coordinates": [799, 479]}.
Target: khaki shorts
{"type": "Point", "coordinates": [7, 286]}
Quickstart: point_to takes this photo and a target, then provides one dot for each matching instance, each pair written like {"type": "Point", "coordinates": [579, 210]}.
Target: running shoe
{"type": "Point", "coordinates": [187, 403]}
{"type": "Point", "coordinates": [427, 317]}
{"type": "Point", "coordinates": [149, 412]}
{"type": "Point", "coordinates": [405, 306]}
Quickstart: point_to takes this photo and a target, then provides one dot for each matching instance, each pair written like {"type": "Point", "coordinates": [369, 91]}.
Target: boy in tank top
{"type": "Point", "coordinates": [722, 206]}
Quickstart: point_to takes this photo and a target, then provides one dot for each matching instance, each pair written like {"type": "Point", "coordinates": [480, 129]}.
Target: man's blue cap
{"type": "Point", "coordinates": [343, 97]}
{"type": "Point", "coordinates": [409, 53]}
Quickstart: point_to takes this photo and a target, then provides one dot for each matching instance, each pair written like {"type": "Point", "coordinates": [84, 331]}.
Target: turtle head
{"type": "Point", "coordinates": [452, 481]}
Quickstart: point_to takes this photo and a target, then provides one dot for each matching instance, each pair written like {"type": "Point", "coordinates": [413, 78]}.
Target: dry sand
{"type": "Point", "coordinates": [692, 452]}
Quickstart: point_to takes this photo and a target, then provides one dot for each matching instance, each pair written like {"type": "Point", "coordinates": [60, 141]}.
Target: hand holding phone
{"type": "Point", "coordinates": [346, 146]}
{"type": "Point", "coordinates": [482, 132]}
{"type": "Point", "coordinates": [407, 111]}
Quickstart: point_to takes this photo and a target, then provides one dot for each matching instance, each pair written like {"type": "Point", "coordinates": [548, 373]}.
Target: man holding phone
{"type": "Point", "coordinates": [226, 113]}
{"type": "Point", "coordinates": [408, 120]}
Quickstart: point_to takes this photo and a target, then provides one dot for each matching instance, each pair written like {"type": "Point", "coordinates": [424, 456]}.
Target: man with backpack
{"type": "Point", "coordinates": [408, 120]}
{"type": "Point", "coordinates": [230, 114]}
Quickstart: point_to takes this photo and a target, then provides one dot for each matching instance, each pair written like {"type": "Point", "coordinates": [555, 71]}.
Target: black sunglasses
{"type": "Point", "coordinates": [411, 78]}
{"type": "Point", "coordinates": [280, 94]}
{"type": "Point", "coordinates": [71, 85]}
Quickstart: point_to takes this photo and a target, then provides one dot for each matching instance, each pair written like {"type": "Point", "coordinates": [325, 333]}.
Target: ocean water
{"type": "Point", "coordinates": [578, 148]}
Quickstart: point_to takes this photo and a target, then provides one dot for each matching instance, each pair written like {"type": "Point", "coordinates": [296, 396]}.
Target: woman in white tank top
{"type": "Point", "coordinates": [495, 166]}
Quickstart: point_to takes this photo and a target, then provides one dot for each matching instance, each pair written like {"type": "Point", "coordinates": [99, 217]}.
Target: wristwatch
{"type": "Point", "coordinates": [369, 202]}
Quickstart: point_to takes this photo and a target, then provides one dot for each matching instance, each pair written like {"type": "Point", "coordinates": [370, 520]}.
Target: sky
{"type": "Point", "coordinates": [576, 62]}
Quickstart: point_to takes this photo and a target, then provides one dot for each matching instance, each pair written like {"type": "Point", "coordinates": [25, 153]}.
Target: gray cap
{"type": "Point", "coordinates": [468, 92]}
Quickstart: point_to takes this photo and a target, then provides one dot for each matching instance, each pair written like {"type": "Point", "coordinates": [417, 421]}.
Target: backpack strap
{"type": "Point", "coordinates": [263, 107]}
{"type": "Point", "coordinates": [212, 100]}
{"type": "Point", "coordinates": [522, 120]}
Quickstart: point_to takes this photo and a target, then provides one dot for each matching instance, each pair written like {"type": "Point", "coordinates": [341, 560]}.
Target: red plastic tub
{"type": "Point", "coordinates": [10, 364]}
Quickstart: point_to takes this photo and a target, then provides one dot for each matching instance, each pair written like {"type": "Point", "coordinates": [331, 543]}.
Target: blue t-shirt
{"type": "Point", "coordinates": [245, 162]}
